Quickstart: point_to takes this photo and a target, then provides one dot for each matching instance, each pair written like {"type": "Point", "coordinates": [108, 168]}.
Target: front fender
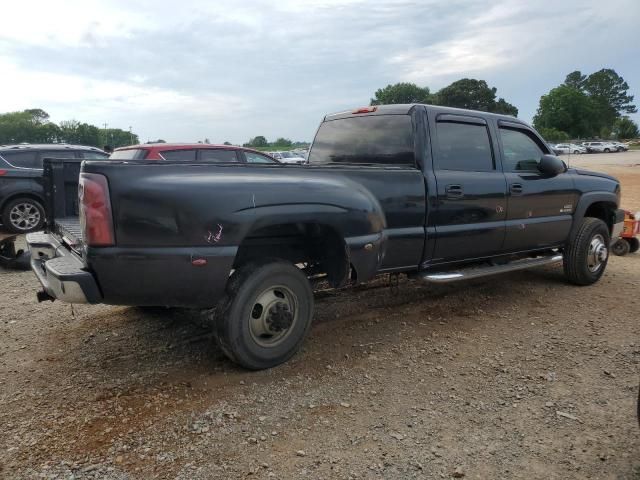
{"type": "Point", "coordinates": [586, 200]}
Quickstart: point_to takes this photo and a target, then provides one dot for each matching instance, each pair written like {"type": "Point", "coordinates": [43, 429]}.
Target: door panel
{"type": "Point", "coordinates": [469, 224]}
{"type": "Point", "coordinates": [470, 202]}
{"type": "Point", "coordinates": [539, 206]}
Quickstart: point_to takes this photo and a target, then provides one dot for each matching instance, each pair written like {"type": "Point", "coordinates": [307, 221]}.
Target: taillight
{"type": "Point", "coordinates": [3, 172]}
{"type": "Point", "coordinates": [95, 210]}
{"type": "Point", "coordinates": [365, 110]}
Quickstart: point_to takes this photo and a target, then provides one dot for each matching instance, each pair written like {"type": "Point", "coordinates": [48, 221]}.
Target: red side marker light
{"type": "Point", "coordinates": [199, 262]}
{"type": "Point", "coordinates": [365, 110]}
{"type": "Point", "coordinates": [3, 172]}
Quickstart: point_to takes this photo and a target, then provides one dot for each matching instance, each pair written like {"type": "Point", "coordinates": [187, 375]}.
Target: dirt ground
{"type": "Point", "coordinates": [522, 376]}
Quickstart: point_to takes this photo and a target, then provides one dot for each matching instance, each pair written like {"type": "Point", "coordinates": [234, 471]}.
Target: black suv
{"type": "Point", "coordinates": [21, 192]}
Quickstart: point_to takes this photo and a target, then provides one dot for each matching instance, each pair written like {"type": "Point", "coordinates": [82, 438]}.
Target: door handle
{"type": "Point", "coordinates": [454, 192]}
{"type": "Point", "coordinates": [516, 189]}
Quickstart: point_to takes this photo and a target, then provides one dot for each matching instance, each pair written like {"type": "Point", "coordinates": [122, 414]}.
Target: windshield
{"type": "Point", "coordinates": [372, 139]}
{"type": "Point", "coordinates": [129, 154]}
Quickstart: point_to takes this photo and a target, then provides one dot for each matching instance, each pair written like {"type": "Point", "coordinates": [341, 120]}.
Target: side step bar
{"type": "Point", "coordinates": [477, 272]}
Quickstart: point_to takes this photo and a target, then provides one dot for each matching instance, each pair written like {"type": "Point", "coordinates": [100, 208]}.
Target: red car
{"type": "Point", "coordinates": [191, 152]}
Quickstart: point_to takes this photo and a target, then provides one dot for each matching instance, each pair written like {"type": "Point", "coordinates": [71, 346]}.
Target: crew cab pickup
{"type": "Point", "coordinates": [439, 194]}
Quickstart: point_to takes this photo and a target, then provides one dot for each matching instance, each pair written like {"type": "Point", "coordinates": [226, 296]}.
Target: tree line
{"type": "Point", "coordinates": [261, 142]}
{"type": "Point", "coordinates": [34, 126]}
{"type": "Point", "coordinates": [584, 106]}
{"type": "Point", "coordinates": [593, 106]}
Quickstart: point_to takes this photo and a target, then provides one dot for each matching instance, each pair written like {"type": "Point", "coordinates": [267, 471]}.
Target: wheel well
{"type": "Point", "coordinates": [30, 195]}
{"type": "Point", "coordinates": [319, 247]}
{"type": "Point", "coordinates": [604, 211]}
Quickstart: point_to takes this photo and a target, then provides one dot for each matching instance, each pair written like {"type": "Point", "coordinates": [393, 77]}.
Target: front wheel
{"type": "Point", "coordinates": [23, 215]}
{"type": "Point", "coordinates": [586, 257]}
{"type": "Point", "coordinates": [606, 150]}
{"type": "Point", "coordinates": [265, 315]}
{"type": "Point", "coordinates": [634, 244]}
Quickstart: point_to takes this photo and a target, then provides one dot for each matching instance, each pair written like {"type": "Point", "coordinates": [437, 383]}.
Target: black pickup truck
{"type": "Point", "coordinates": [437, 193]}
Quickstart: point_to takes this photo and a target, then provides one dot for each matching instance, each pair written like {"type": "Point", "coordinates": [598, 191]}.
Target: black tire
{"type": "Point", "coordinates": [23, 215]}
{"type": "Point", "coordinates": [621, 247]}
{"type": "Point", "coordinates": [634, 244]}
{"type": "Point", "coordinates": [606, 150]}
{"type": "Point", "coordinates": [252, 326]}
{"type": "Point", "coordinates": [585, 258]}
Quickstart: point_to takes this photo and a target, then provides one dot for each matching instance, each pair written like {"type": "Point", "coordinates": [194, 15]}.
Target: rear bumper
{"type": "Point", "coordinates": [618, 225]}
{"type": "Point", "coordinates": [61, 272]}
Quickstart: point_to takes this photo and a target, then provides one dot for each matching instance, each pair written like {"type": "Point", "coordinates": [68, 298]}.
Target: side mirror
{"type": "Point", "coordinates": [551, 165]}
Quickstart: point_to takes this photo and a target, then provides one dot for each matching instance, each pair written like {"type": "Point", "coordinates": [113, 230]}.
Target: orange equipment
{"type": "Point", "coordinates": [628, 243]}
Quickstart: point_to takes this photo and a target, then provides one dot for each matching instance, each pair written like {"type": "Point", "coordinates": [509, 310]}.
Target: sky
{"type": "Point", "coordinates": [229, 70]}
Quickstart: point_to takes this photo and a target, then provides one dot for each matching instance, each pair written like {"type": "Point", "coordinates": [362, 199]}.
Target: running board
{"type": "Point", "coordinates": [477, 272]}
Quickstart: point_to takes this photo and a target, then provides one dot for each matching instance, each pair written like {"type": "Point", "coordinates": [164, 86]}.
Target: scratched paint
{"type": "Point", "coordinates": [214, 237]}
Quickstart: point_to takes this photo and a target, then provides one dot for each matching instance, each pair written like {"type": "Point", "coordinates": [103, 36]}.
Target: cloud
{"type": "Point", "coordinates": [231, 70]}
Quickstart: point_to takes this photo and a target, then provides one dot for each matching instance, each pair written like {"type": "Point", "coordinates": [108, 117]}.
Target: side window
{"type": "Point", "coordinates": [463, 146]}
{"type": "Point", "coordinates": [253, 157]}
{"type": "Point", "coordinates": [521, 152]}
{"type": "Point", "coordinates": [179, 155]}
{"type": "Point", "coordinates": [22, 159]}
{"type": "Point", "coordinates": [221, 155]}
{"type": "Point", "coordinates": [92, 155]}
{"type": "Point", "coordinates": [57, 154]}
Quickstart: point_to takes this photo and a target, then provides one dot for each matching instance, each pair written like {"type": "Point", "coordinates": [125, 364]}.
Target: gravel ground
{"type": "Point", "coordinates": [521, 376]}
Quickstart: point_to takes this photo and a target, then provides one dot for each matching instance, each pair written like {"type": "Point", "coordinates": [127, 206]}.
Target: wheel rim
{"type": "Point", "coordinates": [24, 216]}
{"type": "Point", "coordinates": [273, 316]}
{"type": "Point", "coordinates": [598, 253]}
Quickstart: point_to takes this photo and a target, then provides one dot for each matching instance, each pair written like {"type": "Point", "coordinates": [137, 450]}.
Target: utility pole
{"type": "Point", "coordinates": [105, 133]}
{"type": "Point", "coordinates": [130, 136]}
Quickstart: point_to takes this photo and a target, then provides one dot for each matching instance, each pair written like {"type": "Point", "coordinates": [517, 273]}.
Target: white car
{"type": "Point", "coordinates": [287, 157]}
{"type": "Point", "coordinates": [600, 147]}
{"type": "Point", "coordinates": [621, 147]}
{"type": "Point", "coordinates": [570, 148]}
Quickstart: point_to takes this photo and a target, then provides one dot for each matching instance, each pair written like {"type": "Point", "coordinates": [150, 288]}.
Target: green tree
{"type": "Point", "coordinates": [227, 143]}
{"type": "Point", "coordinates": [259, 141]}
{"type": "Point", "coordinates": [575, 80]}
{"type": "Point", "coordinates": [625, 128]}
{"type": "Point", "coordinates": [72, 131]}
{"type": "Point", "coordinates": [474, 95]}
{"type": "Point", "coordinates": [402, 93]}
{"type": "Point", "coordinates": [282, 142]}
{"type": "Point", "coordinates": [568, 110]}
{"type": "Point", "coordinates": [611, 88]}
{"type": "Point", "coordinates": [553, 135]}
{"type": "Point", "coordinates": [32, 126]}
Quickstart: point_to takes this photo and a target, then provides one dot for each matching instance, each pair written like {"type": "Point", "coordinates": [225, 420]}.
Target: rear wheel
{"type": "Point", "coordinates": [621, 247]}
{"type": "Point", "coordinates": [586, 257]}
{"type": "Point", "coordinates": [606, 150]}
{"type": "Point", "coordinates": [265, 315]}
{"type": "Point", "coordinates": [23, 215]}
{"type": "Point", "coordinates": [634, 244]}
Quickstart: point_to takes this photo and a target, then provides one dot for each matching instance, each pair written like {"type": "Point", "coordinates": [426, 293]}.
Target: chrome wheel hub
{"type": "Point", "coordinates": [273, 316]}
{"type": "Point", "coordinates": [24, 216]}
{"type": "Point", "coordinates": [598, 253]}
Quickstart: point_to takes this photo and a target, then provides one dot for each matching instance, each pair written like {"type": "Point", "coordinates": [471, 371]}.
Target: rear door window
{"type": "Point", "coordinates": [186, 155]}
{"type": "Point", "coordinates": [373, 139]}
{"type": "Point", "coordinates": [22, 159]}
{"type": "Point", "coordinates": [464, 147]}
{"type": "Point", "coordinates": [217, 155]}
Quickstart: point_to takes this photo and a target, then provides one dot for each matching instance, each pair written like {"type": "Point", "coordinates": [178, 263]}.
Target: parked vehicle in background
{"type": "Point", "coordinates": [621, 147]}
{"type": "Point", "coordinates": [440, 194]}
{"type": "Point", "coordinates": [566, 148]}
{"type": "Point", "coordinates": [599, 147]}
{"type": "Point", "coordinates": [21, 190]}
{"type": "Point", "coordinates": [288, 157]}
{"type": "Point", "coordinates": [191, 152]}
